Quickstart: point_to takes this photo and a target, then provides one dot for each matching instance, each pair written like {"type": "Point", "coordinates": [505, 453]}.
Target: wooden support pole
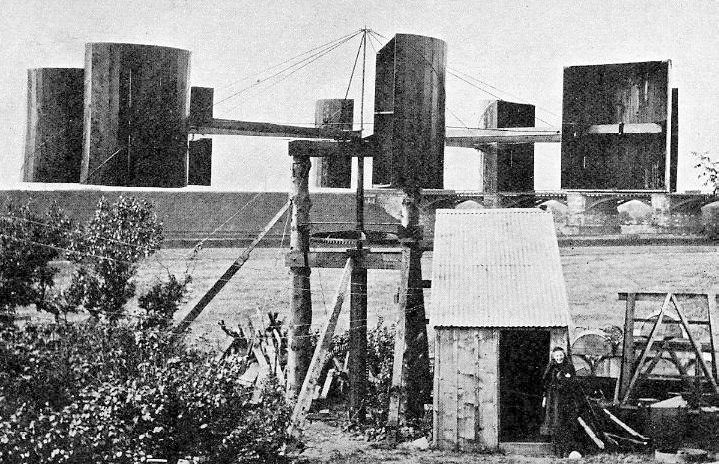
{"type": "Point", "coordinates": [298, 350]}
{"type": "Point", "coordinates": [320, 356]}
{"type": "Point", "coordinates": [714, 331]}
{"type": "Point", "coordinates": [358, 340]}
{"type": "Point", "coordinates": [397, 396]}
{"type": "Point", "coordinates": [411, 355]}
{"type": "Point", "coordinates": [627, 349]}
{"type": "Point", "coordinates": [358, 298]}
{"type": "Point", "coordinates": [229, 273]}
{"type": "Point", "coordinates": [417, 378]}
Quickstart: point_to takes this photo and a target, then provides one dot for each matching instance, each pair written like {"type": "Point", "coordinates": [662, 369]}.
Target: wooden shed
{"type": "Point", "coordinates": [498, 307]}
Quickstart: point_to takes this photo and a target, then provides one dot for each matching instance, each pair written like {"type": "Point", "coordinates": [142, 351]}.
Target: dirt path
{"type": "Point", "coordinates": [326, 443]}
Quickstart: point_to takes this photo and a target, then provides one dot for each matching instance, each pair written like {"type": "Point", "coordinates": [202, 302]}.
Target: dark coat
{"type": "Point", "coordinates": [561, 406]}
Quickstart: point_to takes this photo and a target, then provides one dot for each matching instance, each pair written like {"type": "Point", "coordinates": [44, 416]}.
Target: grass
{"type": "Point", "coordinates": [594, 276]}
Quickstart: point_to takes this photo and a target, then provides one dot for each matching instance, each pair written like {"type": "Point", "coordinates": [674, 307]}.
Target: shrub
{"type": "Point", "coordinates": [107, 251]}
{"type": "Point", "coordinates": [162, 301]}
{"type": "Point", "coordinates": [111, 393]}
{"type": "Point", "coordinates": [29, 241]}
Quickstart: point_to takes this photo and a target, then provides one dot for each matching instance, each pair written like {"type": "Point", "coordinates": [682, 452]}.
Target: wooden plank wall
{"type": "Point", "coordinates": [466, 395]}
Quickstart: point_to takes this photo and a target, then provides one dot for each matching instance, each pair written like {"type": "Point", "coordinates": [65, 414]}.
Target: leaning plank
{"type": "Point", "coordinates": [697, 348]}
{"type": "Point", "coordinates": [319, 358]}
{"type": "Point", "coordinates": [328, 384]}
{"type": "Point", "coordinates": [647, 349]}
{"type": "Point", "coordinates": [590, 433]}
{"type": "Point", "coordinates": [400, 345]}
{"type": "Point", "coordinates": [714, 328]}
{"type": "Point", "coordinates": [630, 430]}
{"type": "Point", "coordinates": [630, 441]}
{"type": "Point", "coordinates": [231, 271]}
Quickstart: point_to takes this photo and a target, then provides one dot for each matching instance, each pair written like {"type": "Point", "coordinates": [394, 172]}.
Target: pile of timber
{"type": "Point", "coordinates": [604, 430]}
{"type": "Point", "coordinates": [263, 352]}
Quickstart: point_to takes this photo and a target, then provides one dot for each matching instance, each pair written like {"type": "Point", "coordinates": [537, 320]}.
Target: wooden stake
{"type": "Point", "coordinates": [321, 354]}
{"type": "Point", "coordinates": [298, 349]}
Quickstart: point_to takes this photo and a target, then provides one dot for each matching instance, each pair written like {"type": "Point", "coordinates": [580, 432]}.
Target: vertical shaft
{"type": "Point", "coordinates": [299, 351]}
{"type": "Point", "coordinates": [358, 287]}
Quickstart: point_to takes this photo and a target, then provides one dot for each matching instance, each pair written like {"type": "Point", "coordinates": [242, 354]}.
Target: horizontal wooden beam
{"type": "Point", "coordinates": [470, 138]}
{"type": "Point", "coordinates": [328, 149]}
{"type": "Point", "coordinates": [630, 128]}
{"type": "Point", "coordinates": [675, 344]}
{"type": "Point", "coordinates": [337, 259]}
{"type": "Point", "coordinates": [265, 129]}
{"type": "Point", "coordinates": [659, 296]}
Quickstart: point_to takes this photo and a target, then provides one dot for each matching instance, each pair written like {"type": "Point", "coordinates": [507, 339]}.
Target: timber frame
{"type": "Point", "coordinates": [411, 321]}
{"type": "Point", "coordinates": [634, 369]}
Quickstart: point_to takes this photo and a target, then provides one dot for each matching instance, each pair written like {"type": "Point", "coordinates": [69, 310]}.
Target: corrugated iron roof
{"type": "Point", "coordinates": [497, 268]}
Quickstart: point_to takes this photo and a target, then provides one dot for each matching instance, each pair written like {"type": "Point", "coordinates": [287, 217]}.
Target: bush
{"type": "Point", "coordinates": [107, 250]}
{"type": "Point", "coordinates": [111, 393]}
{"type": "Point", "coordinates": [29, 241]}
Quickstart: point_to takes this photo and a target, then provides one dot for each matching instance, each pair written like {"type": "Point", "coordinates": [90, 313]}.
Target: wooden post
{"type": "Point", "coordinates": [411, 363]}
{"type": "Point", "coordinates": [298, 352]}
{"type": "Point", "coordinates": [358, 288]}
{"type": "Point", "coordinates": [628, 349]}
{"type": "Point", "coordinates": [397, 397]}
{"type": "Point", "coordinates": [417, 378]}
{"type": "Point", "coordinates": [358, 338]}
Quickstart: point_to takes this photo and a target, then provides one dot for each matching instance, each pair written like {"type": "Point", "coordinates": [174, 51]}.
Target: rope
{"type": "Point", "coordinates": [286, 61]}
{"type": "Point", "coordinates": [506, 92]}
{"type": "Point", "coordinates": [304, 62]}
{"type": "Point", "coordinates": [203, 240]}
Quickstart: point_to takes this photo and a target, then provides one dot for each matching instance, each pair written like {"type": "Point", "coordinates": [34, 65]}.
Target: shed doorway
{"type": "Point", "coordinates": [523, 355]}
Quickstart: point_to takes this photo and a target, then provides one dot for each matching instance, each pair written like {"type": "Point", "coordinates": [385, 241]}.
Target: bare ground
{"type": "Point", "coordinates": [329, 444]}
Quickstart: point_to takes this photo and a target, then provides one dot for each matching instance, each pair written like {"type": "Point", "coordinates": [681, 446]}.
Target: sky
{"type": "Point", "coordinates": [519, 48]}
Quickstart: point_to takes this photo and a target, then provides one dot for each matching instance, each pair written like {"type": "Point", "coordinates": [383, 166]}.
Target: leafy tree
{"type": "Point", "coordinates": [163, 300]}
{"type": "Point", "coordinates": [29, 242]}
{"type": "Point", "coordinates": [710, 170]}
{"type": "Point", "coordinates": [107, 250]}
